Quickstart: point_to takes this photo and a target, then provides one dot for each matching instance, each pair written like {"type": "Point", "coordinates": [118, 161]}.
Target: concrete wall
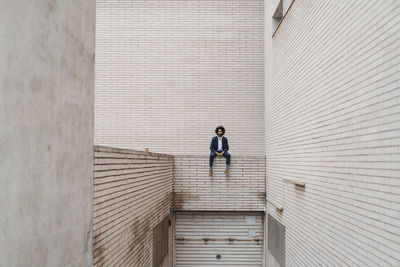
{"type": "Point", "coordinates": [242, 190]}
{"type": "Point", "coordinates": [46, 133]}
{"type": "Point", "coordinates": [132, 194]}
{"type": "Point", "coordinates": [168, 72]}
{"type": "Point", "coordinates": [332, 119]}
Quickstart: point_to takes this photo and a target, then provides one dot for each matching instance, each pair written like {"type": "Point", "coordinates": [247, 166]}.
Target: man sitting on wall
{"type": "Point", "coordinates": [219, 147]}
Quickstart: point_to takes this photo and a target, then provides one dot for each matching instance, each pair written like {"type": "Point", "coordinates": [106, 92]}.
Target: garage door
{"type": "Point", "coordinates": [209, 239]}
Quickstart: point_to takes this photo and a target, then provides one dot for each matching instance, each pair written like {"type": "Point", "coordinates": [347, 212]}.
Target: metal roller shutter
{"type": "Point", "coordinates": [237, 237]}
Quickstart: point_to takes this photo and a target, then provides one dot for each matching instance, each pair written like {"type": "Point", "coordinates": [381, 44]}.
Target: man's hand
{"type": "Point", "coordinates": [220, 154]}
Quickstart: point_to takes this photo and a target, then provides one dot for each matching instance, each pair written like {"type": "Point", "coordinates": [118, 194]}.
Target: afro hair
{"type": "Point", "coordinates": [220, 127]}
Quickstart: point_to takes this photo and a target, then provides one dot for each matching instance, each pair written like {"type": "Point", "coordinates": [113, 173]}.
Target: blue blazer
{"type": "Point", "coordinates": [214, 144]}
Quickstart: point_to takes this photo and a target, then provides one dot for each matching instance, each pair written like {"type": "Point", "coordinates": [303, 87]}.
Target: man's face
{"type": "Point", "coordinates": [219, 132]}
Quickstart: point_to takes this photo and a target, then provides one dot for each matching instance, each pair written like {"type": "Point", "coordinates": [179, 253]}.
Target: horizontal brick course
{"type": "Point", "coordinates": [243, 189]}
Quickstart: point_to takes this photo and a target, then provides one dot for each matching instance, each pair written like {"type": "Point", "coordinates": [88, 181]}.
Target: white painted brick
{"type": "Point", "coordinates": [243, 189]}
{"type": "Point", "coordinates": [168, 72]}
{"type": "Point", "coordinates": [332, 105]}
{"type": "Point", "coordinates": [129, 204]}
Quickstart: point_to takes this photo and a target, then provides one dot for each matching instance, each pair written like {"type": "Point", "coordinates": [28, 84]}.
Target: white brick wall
{"type": "Point", "coordinates": [242, 190]}
{"type": "Point", "coordinates": [132, 194]}
{"type": "Point", "coordinates": [332, 118]}
{"type": "Point", "coordinates": [169, 71]}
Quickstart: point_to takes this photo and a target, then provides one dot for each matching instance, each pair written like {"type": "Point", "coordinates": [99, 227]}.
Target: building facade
{"type": "Point", "coordinates": [169, 72]}
{"type": "Point", "coordinates": [332, 119]}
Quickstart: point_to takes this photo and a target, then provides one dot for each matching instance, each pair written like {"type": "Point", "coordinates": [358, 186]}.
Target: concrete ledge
{"type": "Point", "coordinates": [128, 151]}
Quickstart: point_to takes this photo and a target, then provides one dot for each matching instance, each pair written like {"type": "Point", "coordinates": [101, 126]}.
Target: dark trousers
{"type": "Point", "coordinates": [225, 155]}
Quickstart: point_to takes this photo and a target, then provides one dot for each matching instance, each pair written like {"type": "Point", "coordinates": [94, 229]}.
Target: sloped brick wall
{"type": "Point", "coordinates": [132, 194]}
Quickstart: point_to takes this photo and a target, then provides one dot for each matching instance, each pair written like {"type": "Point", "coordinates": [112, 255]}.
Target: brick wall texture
{"type": "Point", "coordinates": [169, 71]}
{"type": "Point", "coordinates": [242, 190]}
{"type": "Point", "coordinates": [332, 106]}
{"type": "Point", "coordinates": [132, 194]}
